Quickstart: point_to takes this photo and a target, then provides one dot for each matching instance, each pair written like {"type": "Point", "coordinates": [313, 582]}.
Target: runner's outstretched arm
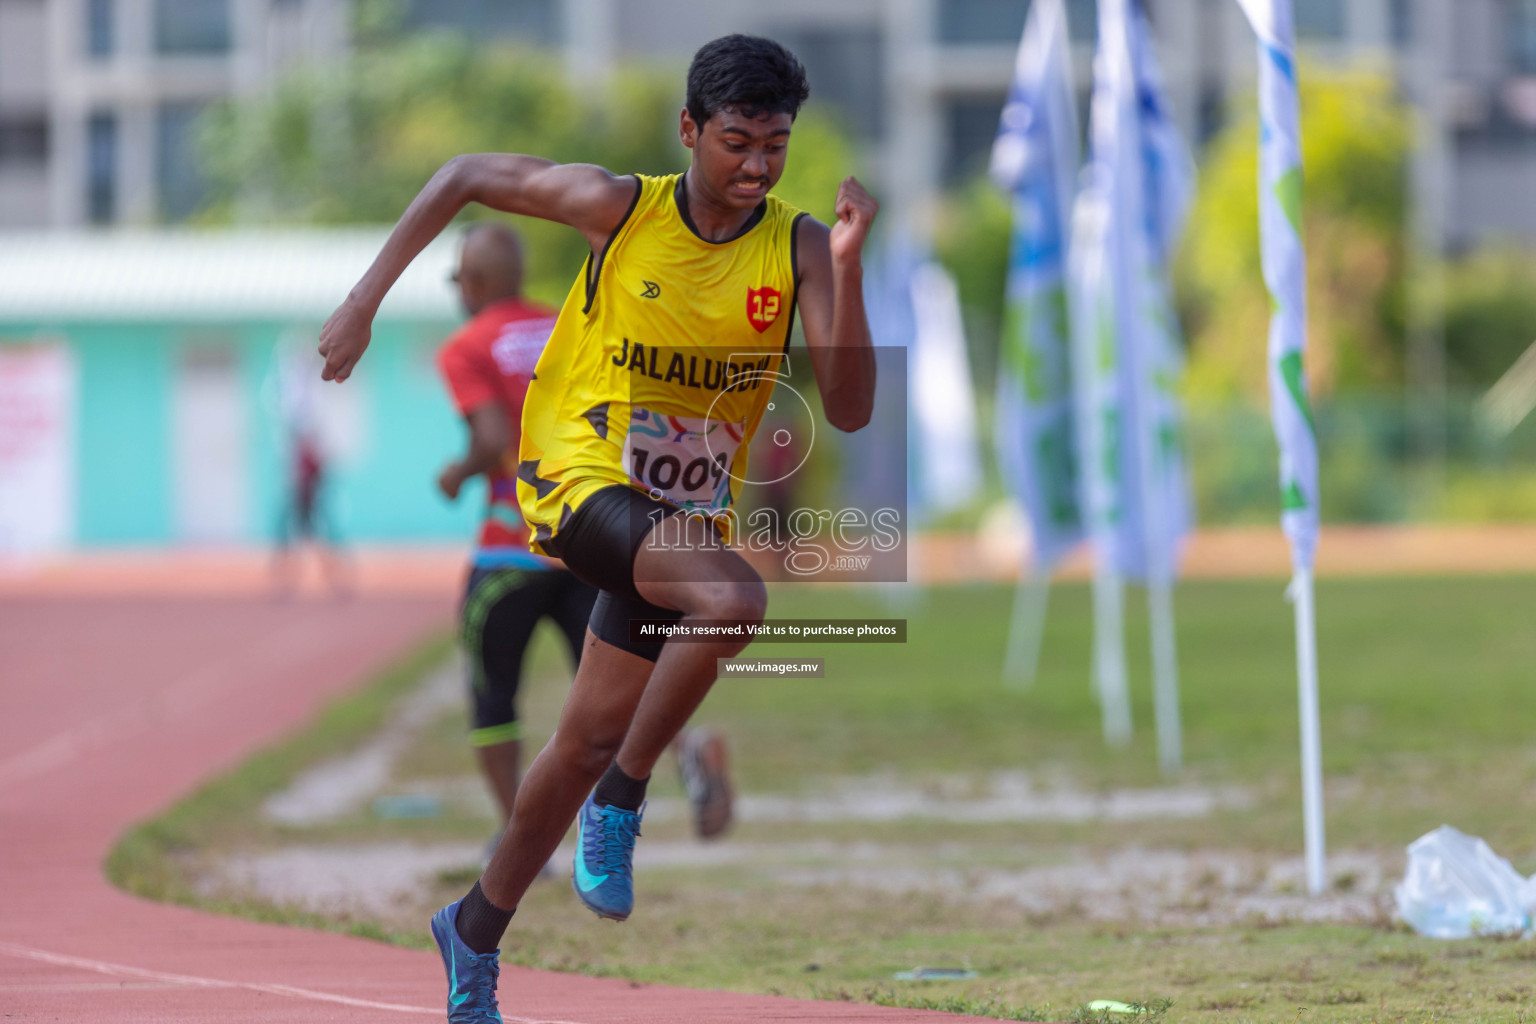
{"type": "Point", "coordinates": [584, 196]}
{"type": "Point", "coordinates": [489, 438]}
{"type": "Point", "coordinates": [831, 298]}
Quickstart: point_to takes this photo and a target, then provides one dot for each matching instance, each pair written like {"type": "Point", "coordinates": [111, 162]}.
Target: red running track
{"type": "Point", "coordinates": [111, 709]}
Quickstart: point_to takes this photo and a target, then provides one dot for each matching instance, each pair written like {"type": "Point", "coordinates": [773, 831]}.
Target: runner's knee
{"type": "Point", "coordinates": [737, 601]}
{"type": "Point", "coordinates": [588, 755]}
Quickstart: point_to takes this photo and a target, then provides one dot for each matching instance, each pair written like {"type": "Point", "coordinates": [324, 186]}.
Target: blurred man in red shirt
{"type": "Point", "coordinates": [487, 364]}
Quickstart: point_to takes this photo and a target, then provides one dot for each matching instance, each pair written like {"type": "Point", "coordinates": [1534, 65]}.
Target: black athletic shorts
{"type": "Point", "coordinates": [598, 544]}
{"type": "Point", "coordinates": [501, 608]}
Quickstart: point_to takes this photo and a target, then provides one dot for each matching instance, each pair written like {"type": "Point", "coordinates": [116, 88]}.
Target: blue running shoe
{"type": "Point", "coordinates": [605, 853]}
{"type": "Point", "coordinates": [471, 976]}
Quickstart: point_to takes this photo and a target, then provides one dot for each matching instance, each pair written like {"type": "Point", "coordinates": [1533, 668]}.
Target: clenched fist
{"type": "Point", "coordinates": [855, 211]}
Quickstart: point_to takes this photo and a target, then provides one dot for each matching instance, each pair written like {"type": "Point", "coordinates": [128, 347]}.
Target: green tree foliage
{"type": "Point", "coordinates": [1355, 143]}
{"type": "Point", "coordinates": [1490, 315]}
{"type": "Point", "coordinates": [354, 142]}
{"type": "Point", "coordinates": [975, 225]}
{"type": "Point", "coordinates": [1356, 137]}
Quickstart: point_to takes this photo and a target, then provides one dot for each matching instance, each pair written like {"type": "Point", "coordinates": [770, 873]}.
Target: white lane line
{"type": "Point", "coordinates": [91, 986]}
{"type": "Point", "coordinates": [124, 971]}
{"type": "Point", "coordinates": [143, 974]}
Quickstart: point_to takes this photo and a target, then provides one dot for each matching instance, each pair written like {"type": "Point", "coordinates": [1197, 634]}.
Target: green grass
{"type": "Point", "coordinates": [1425, 686]}
{"type": "Point", "coordinates": [1428, 708]}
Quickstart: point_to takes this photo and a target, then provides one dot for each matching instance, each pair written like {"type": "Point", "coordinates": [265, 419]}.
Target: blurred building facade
{"type": "Point", "coordinates": [153, 386]}
{"type": "Point", "coordinates": [153, 379]}
{"type": "Point", "coordinates": [97, 97]}
{"type": "Point", "coordinates": [923, 81]}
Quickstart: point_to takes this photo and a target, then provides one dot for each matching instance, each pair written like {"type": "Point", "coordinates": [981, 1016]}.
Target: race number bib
{"type": "Point", "coordinates": [684, 460]}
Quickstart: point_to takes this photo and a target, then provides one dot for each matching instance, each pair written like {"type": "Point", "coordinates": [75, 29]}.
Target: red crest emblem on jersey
{"type": "Point", "coordinates": [762, 307]}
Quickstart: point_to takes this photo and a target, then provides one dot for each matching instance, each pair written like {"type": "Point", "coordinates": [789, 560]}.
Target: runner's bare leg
{"type": "Point", "coordinates": [703, 579]}
{"type": "Point", "coordinates": [608, 685]}
{"type": "Point", "coordinates": [501, 764]}
{"type": "Point", "coordinates": [621, 704]}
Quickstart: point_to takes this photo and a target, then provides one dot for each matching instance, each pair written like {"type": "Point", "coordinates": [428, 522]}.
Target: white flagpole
{"type": "Point", "coordinates": [1126, 82]}
{"type": "Point", "coordinates": [1301, 595]}
{"type": "Point", "coordinates": [1035, 157]}
{"type": "Point", "coordinates": [1165, 658]}
{"type": "Point", "coordinates": [1284, 262]}
{"type": "Point", "coordinates": [1092, 342]}
{"type": "Point", "coordinates": [1160, 471]}
{"type": "Point", "coordinates": [1165, 675]}
{"type": "Point", "coordinates": [1026, 630]}
{"type": "Point", "coordinates": [1109, 675]}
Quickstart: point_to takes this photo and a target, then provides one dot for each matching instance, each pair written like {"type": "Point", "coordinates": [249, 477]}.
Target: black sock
{"type": "Point", "coordinates": [615, 789]}
{"type": "Point", "coordinates": [481, 923]}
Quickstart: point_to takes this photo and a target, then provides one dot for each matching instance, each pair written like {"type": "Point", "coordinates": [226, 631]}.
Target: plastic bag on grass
{"type": "Point", "coordinates": [1457, 887]}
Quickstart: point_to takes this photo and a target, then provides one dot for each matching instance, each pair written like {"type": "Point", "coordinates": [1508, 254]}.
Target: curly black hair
{"type": "Point", "coordinates": [750, 75]}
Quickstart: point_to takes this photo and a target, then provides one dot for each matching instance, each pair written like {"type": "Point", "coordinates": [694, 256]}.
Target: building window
{"type": "Point", "coordinates": [23, 140]}
{"type": "Point", "coordinates": [1520, 34]}
{"type": "Point", "coordinates": [845, 68]}
{"type": "Point", "coordinates": [1401, 15]}
{"type": "Point", "coordinates": [981, 21]}
{"type": "Point", "coordinates": [192, 26]}
{"type": "Point", "coordinates": [970, 125]}
{"type": "Point", "coordinates": [1002, 21]}
{"type": "Point", "coordinates": [101, 169]}
{"type": "Point", "coordinates": [535, 20]}
{"type": "Point", "coordinates": [1319, 19]}
{"type": "Point", "coordinates": [99, 28]}
{"type": "Point", "coordinates": [177, 175]}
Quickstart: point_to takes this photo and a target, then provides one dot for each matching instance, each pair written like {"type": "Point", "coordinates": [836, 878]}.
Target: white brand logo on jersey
{"type": "Point", "coordinates": [518, 347]}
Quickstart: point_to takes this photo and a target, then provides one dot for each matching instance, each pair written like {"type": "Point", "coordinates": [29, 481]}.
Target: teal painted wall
{"type": "Point", "coordinates": [125, 473]}
{"type": "Point", "coordinates": [122, 435]}
{"type": "Point", "coordinates": [390, 492]}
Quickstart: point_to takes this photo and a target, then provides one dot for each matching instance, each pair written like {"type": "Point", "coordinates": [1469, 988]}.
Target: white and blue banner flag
{"type": "Point", "coordinates": [913, 303]}
{"type": "Point", "coordinates": [1131, 210]}
{"type": "Point", "coordinates": [943, 400]}
{"type": "Point", "coordinates": [1285, 273]}
{"type": "Point", "coordinates": [1036, 158]}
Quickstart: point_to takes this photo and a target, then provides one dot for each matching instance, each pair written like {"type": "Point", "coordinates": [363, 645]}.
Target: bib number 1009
{"type": "Point", "coordinates": [685, 460]}
{"type": "Point", "coordinates": [666, 472]}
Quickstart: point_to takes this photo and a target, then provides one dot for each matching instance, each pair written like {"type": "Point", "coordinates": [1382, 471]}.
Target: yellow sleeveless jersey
{"type": "Point", "coordinates": [661, 364]}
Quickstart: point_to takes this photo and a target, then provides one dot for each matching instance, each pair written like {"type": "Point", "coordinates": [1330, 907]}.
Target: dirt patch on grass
{"type": "Point", "coordinates": [346, 784]}
{"type": "Point", "coordinates": [1166, 887]}
{"type": "Point", "coordinates": [340, 786]}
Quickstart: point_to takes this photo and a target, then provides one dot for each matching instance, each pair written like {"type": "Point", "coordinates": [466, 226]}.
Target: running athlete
{"type": "Point", "coordinates": [684, 308]}
{"type": "Point", "coordinates": [486, 365]}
